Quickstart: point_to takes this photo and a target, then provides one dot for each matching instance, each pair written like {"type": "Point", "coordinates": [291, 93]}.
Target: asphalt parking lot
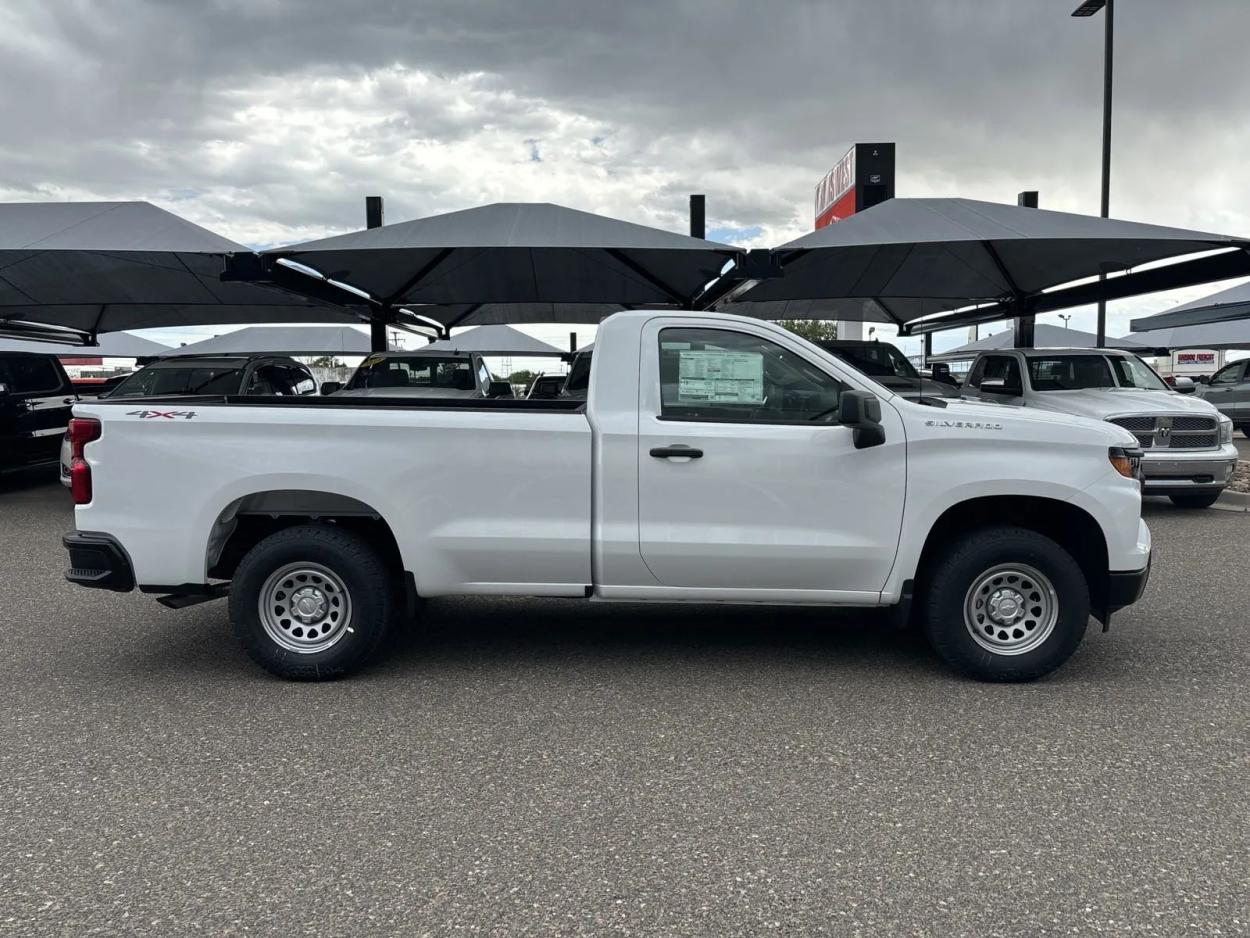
{"type": "Point", "coordinates": [548, 768]}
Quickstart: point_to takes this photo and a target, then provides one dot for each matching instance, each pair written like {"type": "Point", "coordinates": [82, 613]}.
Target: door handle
{"type": "Point", "coordinates": [679, 450]}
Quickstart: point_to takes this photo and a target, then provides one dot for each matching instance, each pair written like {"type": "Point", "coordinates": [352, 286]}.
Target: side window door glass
{"type": "Point", "coordinates": [719, 375]}
{"type": "Point", "coordinates": [978, 372]}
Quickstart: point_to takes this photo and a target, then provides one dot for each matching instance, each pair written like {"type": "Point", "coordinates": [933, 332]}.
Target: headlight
{"type": "Point", "coordinates": [1226, 429]}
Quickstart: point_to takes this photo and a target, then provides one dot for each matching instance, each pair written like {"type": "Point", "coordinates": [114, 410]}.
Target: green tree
{"type": "Point", "coordinates": [524, 376]}
{"type": "Point", "coordinates": [814, 330]}
{"type": "Point", "coordinates": [327, 361]}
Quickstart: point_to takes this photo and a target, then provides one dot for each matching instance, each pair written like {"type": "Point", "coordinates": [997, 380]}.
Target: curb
{"type": "Point", "coordinates": [1233, 501]}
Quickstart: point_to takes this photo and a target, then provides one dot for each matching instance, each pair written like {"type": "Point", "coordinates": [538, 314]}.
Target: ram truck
{"type": "Point", "coordinates": [715, 459]}
{"type": "Point", "coordinates": [1188, 450]}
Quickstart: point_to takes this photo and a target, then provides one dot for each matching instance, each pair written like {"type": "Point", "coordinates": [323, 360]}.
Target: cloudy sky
{"type": "Point", "coordinates": [270, 120]}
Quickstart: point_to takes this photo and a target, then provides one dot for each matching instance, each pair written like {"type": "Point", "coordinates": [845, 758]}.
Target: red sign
{"type": "Point", "coordinates": [835, 194]}
{"type": "Point", "coordinates": [1195, 358]}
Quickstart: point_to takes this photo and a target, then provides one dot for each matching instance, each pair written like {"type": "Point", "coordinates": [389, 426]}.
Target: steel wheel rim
{"type": "Point", "coordinates": [305, 607]}
{"type": "Point", "coordinates": [1011, 609]}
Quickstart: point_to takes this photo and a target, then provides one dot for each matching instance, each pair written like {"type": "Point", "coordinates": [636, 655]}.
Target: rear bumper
{"type": "Point", "coordinates": [98, 561]}
{"type": "Point", "coordinates": [1177, 470]}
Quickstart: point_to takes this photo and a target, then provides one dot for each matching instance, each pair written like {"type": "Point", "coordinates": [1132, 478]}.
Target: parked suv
{"type": "Point", "coordinates": [1188, 450]}
{"type": "Point", "coordinates": [1229, 392]}
{"type": "Point", "coordinates": [889, 367]}
{"type": "Point", "coordinates": [36, 398]}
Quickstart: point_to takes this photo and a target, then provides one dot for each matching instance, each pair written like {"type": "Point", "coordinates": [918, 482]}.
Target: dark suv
{"type": "Point", "coordinates": [886, 365]}
{"type": "Point", "coordinates": [218, 374]}
{"type": "Point", "coordinates": [36, 399]}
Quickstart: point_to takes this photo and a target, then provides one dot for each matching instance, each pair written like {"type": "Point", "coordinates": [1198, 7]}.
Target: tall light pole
{"type": "Point", "coordinates": [1089, 8]}
{"type": "Point", "coordinates": [1066, 319]}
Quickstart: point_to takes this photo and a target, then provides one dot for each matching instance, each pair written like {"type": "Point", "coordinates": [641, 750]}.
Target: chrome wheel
{"type": "Point", "coordinates": [305, 607]}
{"type": "Point", "coordinates": [1011, 609]}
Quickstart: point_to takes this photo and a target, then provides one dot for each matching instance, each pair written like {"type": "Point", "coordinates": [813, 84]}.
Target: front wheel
{"type": "Point", "coordinates": [1006, 604]}
{"type": "Point", "coordinates": [1195, 499]}
{"type": "Point", "coordinates": [311, 602]}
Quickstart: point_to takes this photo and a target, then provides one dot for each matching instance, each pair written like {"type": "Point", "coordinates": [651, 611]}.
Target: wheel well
{"type": "Point", "coordinates": [247, 521]}
{"type": "Point", "coordinates": [1071, 527]}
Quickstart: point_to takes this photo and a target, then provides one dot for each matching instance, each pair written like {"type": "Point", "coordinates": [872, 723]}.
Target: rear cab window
{"type": "Point", "coordinates": [426, 371]}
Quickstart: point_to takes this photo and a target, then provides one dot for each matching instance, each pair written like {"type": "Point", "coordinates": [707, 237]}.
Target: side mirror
{"type": "Point", "coordinates": [1184, 385]}
{"type": "Point", "coordinates": [861, 411]}
{"type": "Point", "coordinates": [1000, 386]}
{"type": "Point", "coordinates": [329, 387]}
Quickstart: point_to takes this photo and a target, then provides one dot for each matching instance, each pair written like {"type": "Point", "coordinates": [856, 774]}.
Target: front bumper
{"type": "Point", "coordinates": [98, 561]}
{"type": "Point", "coordinates": [1124, 589]}
{"type": "Point", "coordinates": [1177, 470]}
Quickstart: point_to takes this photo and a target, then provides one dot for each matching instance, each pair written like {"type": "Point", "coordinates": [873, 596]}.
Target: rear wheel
{"type": "Point", "coordinates": [312, 602]}
{"type": "Point", "coordinates": [1195, 499]}
{"type": "Point", "coordinates": [1006, 604]}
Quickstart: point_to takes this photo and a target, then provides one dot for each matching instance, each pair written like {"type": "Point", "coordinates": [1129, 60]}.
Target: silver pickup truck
{"type": "Point", "coordinates": [1188, 445]}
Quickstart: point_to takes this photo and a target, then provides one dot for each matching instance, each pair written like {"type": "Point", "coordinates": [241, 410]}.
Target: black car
{"type": "Point", "coordinates": [218, 374]}
{"type": "Point", "coordinates": [886, 365]}
{"type": "Point", "coordinates": [36, 399]}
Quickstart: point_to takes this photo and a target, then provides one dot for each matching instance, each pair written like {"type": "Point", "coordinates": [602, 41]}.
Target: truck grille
{"type": "Point", "coordinates": [1167, 432]}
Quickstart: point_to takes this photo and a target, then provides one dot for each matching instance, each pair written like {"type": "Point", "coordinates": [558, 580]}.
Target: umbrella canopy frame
{"type": "Point", "coordinates": [538, 261]}
{"type": "Point", "coordinates": [930, 264]}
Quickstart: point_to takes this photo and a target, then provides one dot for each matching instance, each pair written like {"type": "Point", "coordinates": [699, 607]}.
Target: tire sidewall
{"type": "Point", "coordinates": [955, 574]}
{"type": "Point", "coordinates": [362, 573]}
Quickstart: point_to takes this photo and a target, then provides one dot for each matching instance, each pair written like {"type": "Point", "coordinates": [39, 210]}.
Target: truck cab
{"type": "Point", "coordinates": [418, 373]}
{"type": "Point", "coordinates": [1188, 453]}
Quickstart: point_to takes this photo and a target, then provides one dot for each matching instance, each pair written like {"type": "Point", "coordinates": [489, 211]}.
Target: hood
{"type": "Point", "coordinates": [1101, 403]}
{"type": "Point", "coordinates": [1013, 414]}
{"type": "Point", "coordinates": [913, 388]}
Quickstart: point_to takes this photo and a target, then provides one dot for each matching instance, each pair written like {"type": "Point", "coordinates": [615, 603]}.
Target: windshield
{"type": "Point", "coordinates": [877, 360]}
{"type": "Point", "coordinates": [417, 371]}
{"type": "Point", "coordinates": [154, 382]}
{"type": "Point", "coordinates": [1132, 372]}
{"type": "Point", "coordinates": [1081, 372]}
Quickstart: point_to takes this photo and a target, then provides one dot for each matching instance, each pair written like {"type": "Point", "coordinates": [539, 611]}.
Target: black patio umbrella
{"type": "Point", "coordinates": [96, 267]}
{"type": "Point", "coordinates": [1226, 306]}
{"type": "Point", "coordinates": [906, 259]}
{"type": "Point", "coordinates": [508, 262]}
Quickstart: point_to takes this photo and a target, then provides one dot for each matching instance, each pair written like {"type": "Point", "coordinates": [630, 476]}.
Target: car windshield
{"type": "Point", "coordinates": [191, 379]}
{"type": "Point", "coordinates": [417, 371]}
{"type": "Point", "coordinates": [1082, 372]}
{"type": "Point", "coordinates": [1132, 372]}
{"type": "Point", "coordinates": [877, 360]}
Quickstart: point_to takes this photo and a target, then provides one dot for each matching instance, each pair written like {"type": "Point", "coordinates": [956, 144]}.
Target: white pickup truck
{"type": "Point", "coordinates": [716, 459]}
{"type": "Point", "coordinates": [1188, 451]}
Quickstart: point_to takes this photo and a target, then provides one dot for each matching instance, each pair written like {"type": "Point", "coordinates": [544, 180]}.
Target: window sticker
{"type": "Point", "coordinates": [712, 376]}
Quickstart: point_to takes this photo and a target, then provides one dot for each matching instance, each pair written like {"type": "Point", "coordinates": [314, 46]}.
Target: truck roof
{"type": "Point", "coordinates": [1036, 352]}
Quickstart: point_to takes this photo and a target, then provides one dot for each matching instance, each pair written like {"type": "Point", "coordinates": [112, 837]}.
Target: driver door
{"type": "Point", "coordinates": [773, 494]}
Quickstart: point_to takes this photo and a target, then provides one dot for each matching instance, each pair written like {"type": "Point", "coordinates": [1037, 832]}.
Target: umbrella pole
{"type": "Point", "coordinates": [377, 323]}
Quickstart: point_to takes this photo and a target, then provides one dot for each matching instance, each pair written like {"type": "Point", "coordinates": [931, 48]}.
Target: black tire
{"type": "Point", "coordinates": [367, 584]}
{"type": "Point", "coordinates": [962, 566]}
{"type": "Point", "coordinates": [1244, 428]}
{"type": "Point", "coordinates": [1194, 499]}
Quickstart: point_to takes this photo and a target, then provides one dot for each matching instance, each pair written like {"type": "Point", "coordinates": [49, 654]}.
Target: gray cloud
{"type": "Point", "coordinates": [269, 119]}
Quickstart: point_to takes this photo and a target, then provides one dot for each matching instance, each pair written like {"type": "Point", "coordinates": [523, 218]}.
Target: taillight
{"type": "Point", "coordinates": [82, 430]}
